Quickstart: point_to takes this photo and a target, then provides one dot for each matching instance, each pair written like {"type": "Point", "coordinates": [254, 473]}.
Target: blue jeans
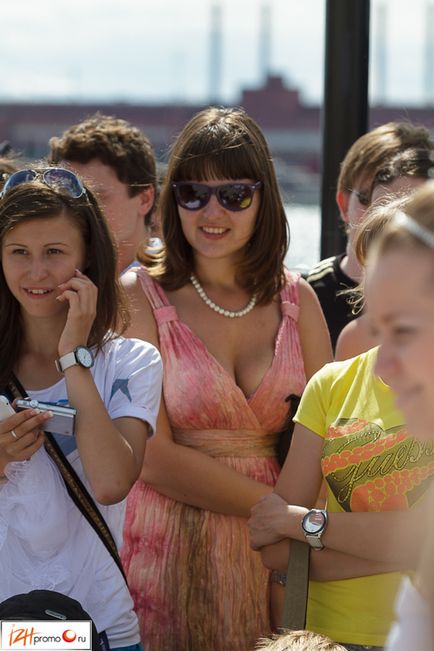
{"type": "Point", "coordinates": [133, 647]}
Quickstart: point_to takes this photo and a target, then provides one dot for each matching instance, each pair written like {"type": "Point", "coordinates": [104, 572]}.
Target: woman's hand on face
{"type": "Point", "coordinates": [21, 435]}
{"type": "Point", "coordinates": [271, 520]}
{"type": "Point", "coordinates": [81, 294]}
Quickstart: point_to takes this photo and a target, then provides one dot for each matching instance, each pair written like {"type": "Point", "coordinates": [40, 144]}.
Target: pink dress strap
{"type": "Point", "coordinates": [163, 311]}
{"type": "Point", "coordinates": [289, 295]}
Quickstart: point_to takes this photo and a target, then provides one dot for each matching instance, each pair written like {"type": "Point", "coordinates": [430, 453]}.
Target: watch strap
{"type": "Point", "coordinates": [66, 361]}
{"type": "Point", "coordinates": [314, 539]}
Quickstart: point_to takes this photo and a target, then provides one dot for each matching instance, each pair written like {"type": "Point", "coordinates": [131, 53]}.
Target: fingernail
{"type": "Point", "coordinates": [49, 414]}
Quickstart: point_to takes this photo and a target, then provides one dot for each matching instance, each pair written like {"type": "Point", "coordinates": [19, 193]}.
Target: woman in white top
{"type": "Point", "coordinates": [59, 306]}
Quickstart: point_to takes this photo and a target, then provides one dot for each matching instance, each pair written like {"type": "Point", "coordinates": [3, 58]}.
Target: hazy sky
{"type": "Point", "coordinates": [151, 51]}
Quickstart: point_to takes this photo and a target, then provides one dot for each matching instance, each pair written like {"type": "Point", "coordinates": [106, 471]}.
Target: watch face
{"type": "Point", "coordinates": [84, 356]}
{"type": "Point", "coordinates": [314, 522]}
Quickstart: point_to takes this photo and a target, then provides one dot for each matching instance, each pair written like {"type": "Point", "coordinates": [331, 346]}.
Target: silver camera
{"type": "Point", "coordinates": [63, 420]}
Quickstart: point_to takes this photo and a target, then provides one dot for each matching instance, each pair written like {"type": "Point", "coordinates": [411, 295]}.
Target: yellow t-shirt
{"type": "Point", "coordinates": [369, 464]}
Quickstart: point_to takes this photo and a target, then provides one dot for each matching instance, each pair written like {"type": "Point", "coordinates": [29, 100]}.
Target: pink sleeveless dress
{"type": "Point", "coordinates": [195, 582]}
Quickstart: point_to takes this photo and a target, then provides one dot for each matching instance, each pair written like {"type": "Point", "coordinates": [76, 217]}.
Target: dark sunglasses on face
{"type": "Point", "coordinates": [56, 178]}
{"type": "Point", "coordinates": [232, 196]}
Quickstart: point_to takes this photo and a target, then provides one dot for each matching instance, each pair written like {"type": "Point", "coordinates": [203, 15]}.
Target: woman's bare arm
{"type": "Point", "coordinates": [328, 565]}
{"type": "Point", "coordinates": [386, 537]}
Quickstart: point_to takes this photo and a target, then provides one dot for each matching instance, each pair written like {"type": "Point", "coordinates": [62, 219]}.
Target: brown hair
{"type": "Point", "coordinates": [36, 200]}
{"type": "Point", "coordinates": [222, 143]}
{"type": "Point", "coordinates": [374, 149]}
{"type": "Point", "coordinates": [412, 162]}
{"type": "Point", "coordinates": [298, 641]}
{"type": "Point", "coordinates": [114, 142]}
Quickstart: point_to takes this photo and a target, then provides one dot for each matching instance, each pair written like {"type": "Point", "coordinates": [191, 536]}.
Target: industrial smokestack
{"type": "Point", "coordinates": [215, 59]}
{"type": "Point", "coordinates": [429, 55]}
{"type": "Point", "coordinates": [381, 62]}
{"type": "Point", "coordinates": [265, 41]}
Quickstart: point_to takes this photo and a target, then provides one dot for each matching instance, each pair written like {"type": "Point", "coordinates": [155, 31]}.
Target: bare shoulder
{"type": "Point", "coordinates": [308, 298]}
{"type": "Point", "coordinates": [313, 331]}
{"type": "Point", "coordinates": [143, 325]}
{"type": "Point", "coordinates": [311, 312]}
{"type": "Point", "coordinates": [354, 339]}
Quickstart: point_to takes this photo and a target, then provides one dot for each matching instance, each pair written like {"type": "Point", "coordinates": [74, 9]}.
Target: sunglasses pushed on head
{"type": "Point", "coordinates": [57, 178]}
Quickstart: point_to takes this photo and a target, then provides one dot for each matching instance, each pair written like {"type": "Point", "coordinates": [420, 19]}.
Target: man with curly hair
{"type": "Point", "coordinates": [117, 161]}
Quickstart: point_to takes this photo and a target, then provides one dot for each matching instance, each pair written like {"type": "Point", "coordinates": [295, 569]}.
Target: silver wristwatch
{"type": "Point", "coordinates": [81, 356]}
{"type": "Point", "coordinates": [314, 524]}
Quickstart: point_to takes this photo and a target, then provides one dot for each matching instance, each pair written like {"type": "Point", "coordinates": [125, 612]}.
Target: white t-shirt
{"type": "Point", "coordinates": [412, 629]}
{"type": "Point", "coordinates": [43, 535]}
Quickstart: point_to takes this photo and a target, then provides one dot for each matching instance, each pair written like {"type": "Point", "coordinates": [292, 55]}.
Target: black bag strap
{"type": "Point", "coordinates": [297, 586]}
{"type": "Point", "coordinates": [75, 487]}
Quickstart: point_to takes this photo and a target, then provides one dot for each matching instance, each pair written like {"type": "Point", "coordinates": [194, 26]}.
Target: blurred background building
{"type": "Point", "coordinates": [157, 62]}
{"type": "Point", "coordinates": [292, 128]}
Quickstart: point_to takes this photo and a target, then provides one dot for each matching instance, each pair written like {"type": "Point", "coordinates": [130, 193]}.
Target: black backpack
{"type": "Point", "coordinates": [42, 605]}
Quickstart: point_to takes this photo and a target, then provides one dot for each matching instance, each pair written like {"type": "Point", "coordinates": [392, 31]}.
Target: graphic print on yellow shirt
{"type": "Point", "coordinates": [371, 469]}
{"type": "Point", "coordinates": [369, 464]}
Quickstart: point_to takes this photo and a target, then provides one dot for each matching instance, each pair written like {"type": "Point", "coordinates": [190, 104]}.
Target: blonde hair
{"type": "Point", "coordinates": [298, 641]}
{"type": "Point", "coordinates": [377, 218]}
{"type": "Point", "coordinates": [419, 207]}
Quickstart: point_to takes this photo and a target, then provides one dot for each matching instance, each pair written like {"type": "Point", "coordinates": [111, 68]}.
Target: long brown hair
{"type": "Point", "coordinates": [36, 200]}
{"type": "Point", "coordinates": [223, 143]}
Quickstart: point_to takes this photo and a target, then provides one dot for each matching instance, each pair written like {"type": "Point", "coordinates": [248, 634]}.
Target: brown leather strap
{"type": "Point", "coordinates": [75, 487]}
{"type": "Point", "coordinates": [297, 584]}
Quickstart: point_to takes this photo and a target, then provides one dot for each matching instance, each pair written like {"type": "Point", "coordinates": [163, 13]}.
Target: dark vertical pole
{"type": "Point", "coordinates": [345, 114]}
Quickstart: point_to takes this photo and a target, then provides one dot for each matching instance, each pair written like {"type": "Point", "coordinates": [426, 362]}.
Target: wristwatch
{"type": "Point", "coordinates": [314, 524]}
{"type": "Point", "coordinates": [81, 356]}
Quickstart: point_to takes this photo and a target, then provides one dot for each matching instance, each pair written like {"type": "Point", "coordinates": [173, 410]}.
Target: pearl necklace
{"type": "Point", "coordinates": [220, 310]}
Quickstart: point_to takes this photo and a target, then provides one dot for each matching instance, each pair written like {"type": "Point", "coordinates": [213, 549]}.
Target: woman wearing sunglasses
{"type": "Point", "coordinates": [59, 306]}
{"type": "Point", "coordinates": [237, 335]}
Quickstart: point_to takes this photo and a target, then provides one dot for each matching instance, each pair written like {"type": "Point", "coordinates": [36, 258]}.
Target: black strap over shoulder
{"type": "Point", "coordinates": [285, 436]}
{"type": "Point", "coordinates": [75, 487]}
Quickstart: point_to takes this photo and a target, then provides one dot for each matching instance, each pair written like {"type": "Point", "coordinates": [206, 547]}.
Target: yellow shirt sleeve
{"type": "Point", "coordinates": [314, 405]}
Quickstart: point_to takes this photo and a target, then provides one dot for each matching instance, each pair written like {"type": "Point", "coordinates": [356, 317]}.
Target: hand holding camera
{"type": "Point", "coordinates": [21, 433]}
{"type": "Point", "coordinates": [61, 418]}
